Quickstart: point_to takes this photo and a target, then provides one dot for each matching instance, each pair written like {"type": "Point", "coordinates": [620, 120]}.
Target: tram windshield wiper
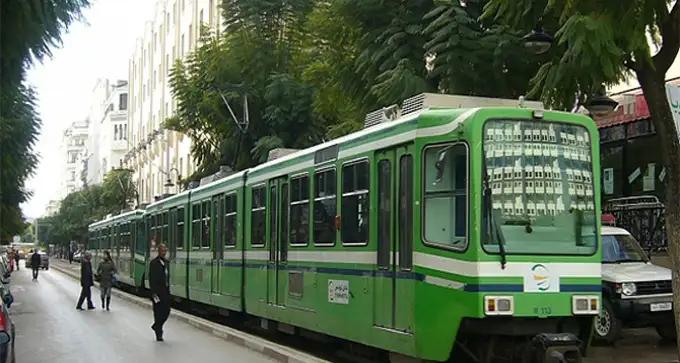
{"type": "Point", "coordinates": [493, 232]}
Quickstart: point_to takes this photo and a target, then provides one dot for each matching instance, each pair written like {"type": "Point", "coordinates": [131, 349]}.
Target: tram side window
{"type": "Point", "coordinates": [205, 238]}
{"type": "Point", "coordinates": [217, 222]}
{"type": "Point", "coordinates": [179, 233]}
{"type": "Point", "coordinates": [258, 217]}
{"type": "Point", "coordinates": [299, 211]}
{"type": "Point", "coordinates": [230, 220]}
{"type": "Point", "coordinates": [165, 232]}
{"type": "Point", "coordinates": [354, 221]}
{"type": "Point", "coordinates": [324, 207]}
{"type": "Point", "coordinates": [445, 195]}
{"type": "Point", "coordinates": [196, 226]}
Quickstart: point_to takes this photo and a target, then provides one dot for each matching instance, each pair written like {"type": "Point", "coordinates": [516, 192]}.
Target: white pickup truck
{"type": "Point", "coordinates": [635, 292]}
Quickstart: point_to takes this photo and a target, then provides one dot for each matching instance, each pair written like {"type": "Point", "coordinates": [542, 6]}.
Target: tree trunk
{"type": "Point", "coordinates": [654, 88]}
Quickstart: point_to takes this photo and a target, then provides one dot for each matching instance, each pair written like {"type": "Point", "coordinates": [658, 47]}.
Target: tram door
{"type": "Point", "coordinates": [278, 241]}
{"type": "Point", "coordinates": [217, 244]}
{"type": "Point", "coordinates": [395, 285]}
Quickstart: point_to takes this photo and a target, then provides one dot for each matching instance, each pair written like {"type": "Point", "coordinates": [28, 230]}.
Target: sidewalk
{"type": "Point", "coordinates": [275, 351]}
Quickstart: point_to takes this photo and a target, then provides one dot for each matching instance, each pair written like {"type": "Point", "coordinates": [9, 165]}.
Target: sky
{"type": "Point", "coordinates": [98, 47]}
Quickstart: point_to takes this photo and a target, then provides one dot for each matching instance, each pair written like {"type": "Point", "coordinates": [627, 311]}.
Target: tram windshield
{"type": "Point", "coordinates": [540, 186]}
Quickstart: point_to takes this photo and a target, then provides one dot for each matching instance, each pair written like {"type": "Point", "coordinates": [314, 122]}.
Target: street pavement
{"type": "Point", "coordinates": [635, 346]}
{"type": "Point", "coordinates": [50, 329]}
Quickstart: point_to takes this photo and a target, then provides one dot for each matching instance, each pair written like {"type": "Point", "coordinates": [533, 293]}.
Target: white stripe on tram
{"type": "Point", "coordinates": [512, 269]}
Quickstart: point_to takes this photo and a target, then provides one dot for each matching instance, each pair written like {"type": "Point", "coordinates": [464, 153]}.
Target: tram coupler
{"type": "Point", "coordinates": [555, 348]}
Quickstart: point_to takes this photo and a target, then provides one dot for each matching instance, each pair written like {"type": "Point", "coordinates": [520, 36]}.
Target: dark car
{"type": "Point", "coordinates": [7, 332]}
{"type": "Point", "coordinates": [44, 260]}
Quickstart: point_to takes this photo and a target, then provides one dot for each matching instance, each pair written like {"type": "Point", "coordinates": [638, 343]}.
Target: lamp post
{"type": "Point", "coordinates": [537, 41]}
{"type": "Point", "coordinates": [168, 181]}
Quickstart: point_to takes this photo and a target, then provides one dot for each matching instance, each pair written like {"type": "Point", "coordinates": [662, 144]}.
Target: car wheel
{"type": "Point", "coordinates": [607, 326]}
{"type": "Point", "coordinates": [667, 332]}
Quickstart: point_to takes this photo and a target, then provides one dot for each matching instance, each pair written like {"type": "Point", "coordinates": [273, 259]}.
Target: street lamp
{"type": "Point", "coordinates": [537, 41]}
{"type": "Point", "coordinates": [168, 182]}
{"type": "Point", "coordinates": [600, 104]}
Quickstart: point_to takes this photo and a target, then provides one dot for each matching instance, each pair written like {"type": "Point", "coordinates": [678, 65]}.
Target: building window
{"type": "Point", "coordinates": [258, 216]}
{"type": "Point", "coordinates": [200, 17]}
{"type": "Point", "coordinates": [181, 45]}
{"type": "Point", "coordinates": [324, 207]}
{"type": "Point", "coordinates": [299, 210]}
{"type": "Point", "coordinates": [122, 101]}
{"type": "Point", "coordinates": [355, 201]}
{"type": "Point", "coordinates": [191, 38]}
{"type": "Point", "coordinates": [211, 5]}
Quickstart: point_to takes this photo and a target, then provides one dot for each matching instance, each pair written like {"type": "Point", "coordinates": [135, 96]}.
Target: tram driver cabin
{"type": "Point", "coordinates": [444, 225]}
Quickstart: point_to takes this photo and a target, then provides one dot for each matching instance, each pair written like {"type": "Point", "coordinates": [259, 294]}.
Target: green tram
{"type": "Point", "coordinates": [447, 233]}
{"type": "Point", "coordinates": [118, 235]}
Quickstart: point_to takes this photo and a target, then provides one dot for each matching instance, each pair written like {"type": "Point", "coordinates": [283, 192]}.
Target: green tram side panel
{"type": "Point", "coordinates": [311, 309]}
{"type": "Point", "coordinates": [210, 279]}
{"type": "Point", "coordinates": [177, 267]}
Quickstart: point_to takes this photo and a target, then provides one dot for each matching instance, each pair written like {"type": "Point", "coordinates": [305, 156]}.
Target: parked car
{"type": "Point", "coordinates": [7, 331]}
{"type": "Point", "coordinates": [44, 260]}
{"type": "Point", "coordinates": [635, 292]}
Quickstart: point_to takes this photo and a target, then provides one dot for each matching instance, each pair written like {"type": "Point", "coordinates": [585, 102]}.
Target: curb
{"type": "Point", "coordinates": [275, 351]}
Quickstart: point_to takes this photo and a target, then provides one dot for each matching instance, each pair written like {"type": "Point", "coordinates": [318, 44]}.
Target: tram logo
{"type": "Point", "coordinates": [541, 277]}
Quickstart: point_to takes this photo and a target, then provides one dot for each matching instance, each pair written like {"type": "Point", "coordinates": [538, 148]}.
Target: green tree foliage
{"type": "Point", "coordinates": [254, 57]}
{"type": "Point", "coordinates": [313, 69]}
{"type": "Point", "coordinates": [90, 204]}
{"type": "Point", "coordinates": [118, 190]}
{"type": "Point", "coordinates": [28, 30]}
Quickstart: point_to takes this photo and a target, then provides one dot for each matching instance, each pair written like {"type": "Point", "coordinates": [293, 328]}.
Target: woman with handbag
{"type": "Point", "coordinates": [107, 272]}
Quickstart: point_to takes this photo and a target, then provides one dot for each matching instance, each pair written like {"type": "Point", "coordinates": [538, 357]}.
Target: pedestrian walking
{"type": "Point", "coordinates": [35, 263]}
{"type": "Point", "coordinates": [159, 282]}
{"type": "Point", "coordinates": [70, 256]}
{"type": "Point", "coordinates": [16, 258]}
{"type": "Point", "coordinates": [106, 272]}
{"type": "Point", "coordinates": [86, 282]}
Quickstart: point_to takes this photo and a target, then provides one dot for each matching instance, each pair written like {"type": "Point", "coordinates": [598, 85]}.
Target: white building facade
{"type": "Point", "coordinates": [154, 154]}
{"type": "Point", "coordinates": [108, 129]}
{"type": "Point", "coordinates": [73, 150]}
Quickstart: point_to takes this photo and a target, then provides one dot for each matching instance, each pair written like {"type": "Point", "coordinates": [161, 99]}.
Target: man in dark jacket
{"type": "Point", "coordinates": [159, 282]}
{"type": "Point", "coordinates": [35, 263]}
{"type": "Point", "coordinates": [86, 281]}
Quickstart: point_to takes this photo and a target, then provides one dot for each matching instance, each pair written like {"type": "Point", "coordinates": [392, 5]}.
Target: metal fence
{"type": "Point", "coordinates": [643, 217]}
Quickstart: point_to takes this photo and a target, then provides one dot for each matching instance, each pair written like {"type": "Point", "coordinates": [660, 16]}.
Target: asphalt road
{"type": "Point", "coordinates": [50, 329]}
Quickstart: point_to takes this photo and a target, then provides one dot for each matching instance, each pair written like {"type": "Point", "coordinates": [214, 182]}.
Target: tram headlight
{"type": "Point", "coordinates": [585, 305]}
{"type": "Point", "coordinates": [499, 305]}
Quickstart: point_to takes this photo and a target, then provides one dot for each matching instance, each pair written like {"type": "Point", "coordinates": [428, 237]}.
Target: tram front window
{"type": "Point", "coordinates": [539, 187]}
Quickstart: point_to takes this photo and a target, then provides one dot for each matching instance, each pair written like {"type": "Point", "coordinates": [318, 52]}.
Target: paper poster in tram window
{"type": "Point", "coordinates": [338, 291]}
{"type": "Point", "coordinates": [648, 179]}
{"type": "Point", "coordinates": [608, 176]}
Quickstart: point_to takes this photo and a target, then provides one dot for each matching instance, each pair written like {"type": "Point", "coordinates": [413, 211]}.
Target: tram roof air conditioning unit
{"type": "Point", "coordinates": [385, 114]}
{"type": "Point", "coordinates": [279, 153]}
{"type": "Point", "coordinates": [425, 101]}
